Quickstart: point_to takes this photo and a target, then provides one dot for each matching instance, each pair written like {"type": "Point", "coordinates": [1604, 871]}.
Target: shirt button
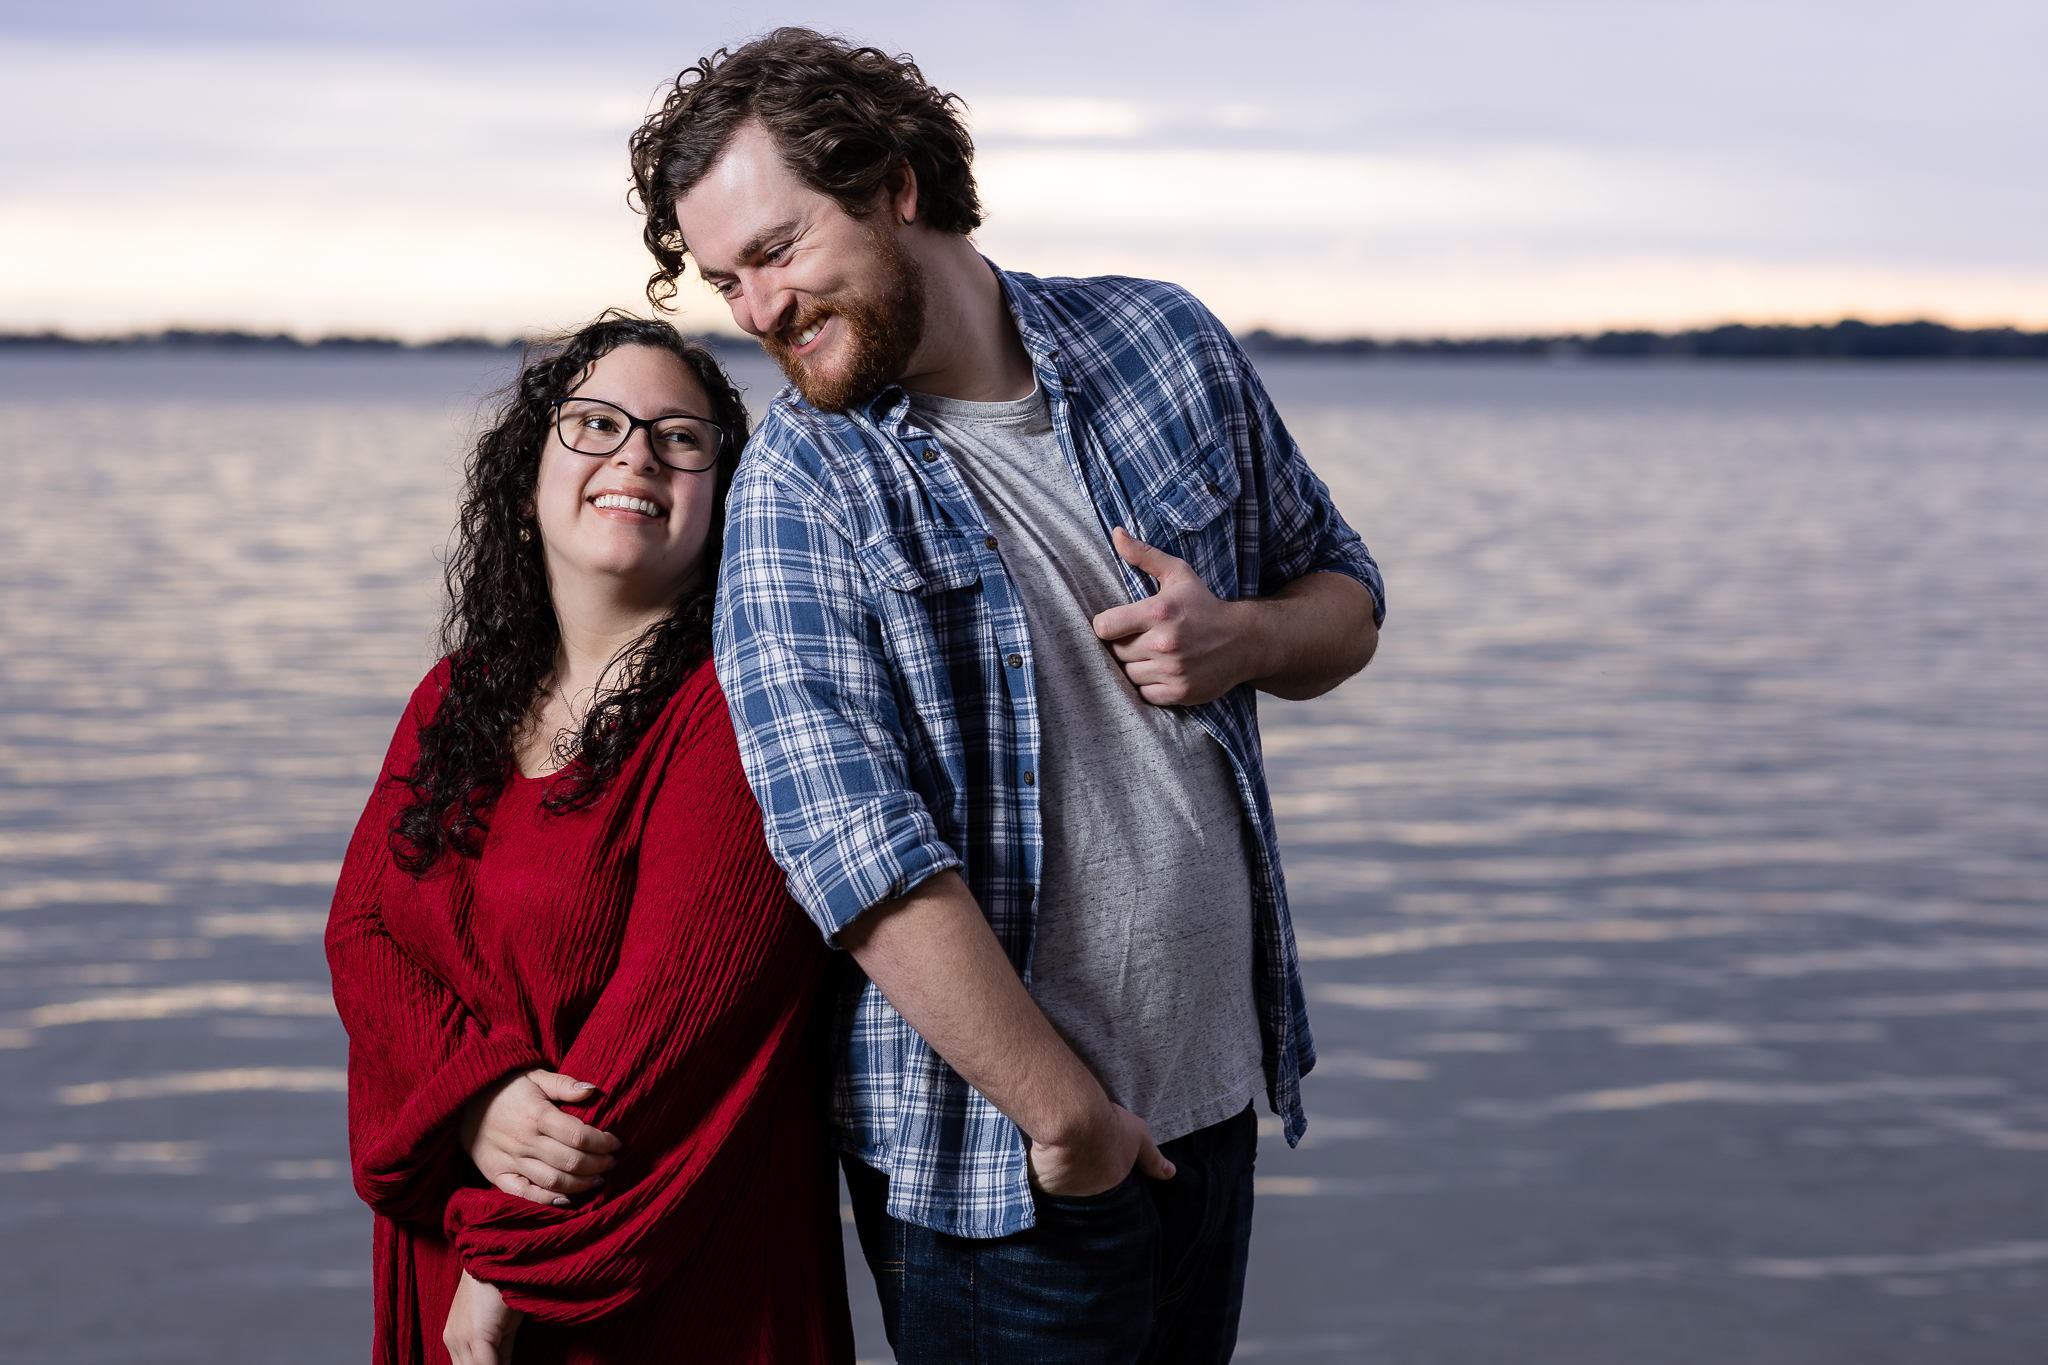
{"type": "Point", "coordinates": [1029, 780]}
{"type": "Point", "coordinates": [1015, 661]}
{"type": "Point", "coordinates": [989, 541]}
{"type": "Point", "coordinates": [1053, 354]}
{"type": "Point", "coordinates": [930, 455]}
{"type": "Point", "coordinates": [1214, 491]}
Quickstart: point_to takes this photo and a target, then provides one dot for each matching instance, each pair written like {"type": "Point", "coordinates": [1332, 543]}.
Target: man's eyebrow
{"type": "Point", "coordinates": [751, 248]}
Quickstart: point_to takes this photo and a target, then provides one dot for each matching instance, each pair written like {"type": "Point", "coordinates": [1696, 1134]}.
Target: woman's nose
{"type": "Point", "coordinates": [638, 451]}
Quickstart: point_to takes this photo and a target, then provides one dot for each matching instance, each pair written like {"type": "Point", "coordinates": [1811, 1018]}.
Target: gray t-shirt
{"type": "Point", "coordinates": [1143, 954]}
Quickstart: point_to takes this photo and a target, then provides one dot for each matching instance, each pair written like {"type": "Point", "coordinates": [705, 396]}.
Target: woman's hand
{"type": "Point", "coordinates": [480, 1327]}
{"type": "Point", "coordinates": [524, 1145]}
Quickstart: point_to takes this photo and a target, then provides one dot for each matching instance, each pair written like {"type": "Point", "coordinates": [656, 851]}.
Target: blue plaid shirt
{"type": "Point", "coordinates": [874, 651]}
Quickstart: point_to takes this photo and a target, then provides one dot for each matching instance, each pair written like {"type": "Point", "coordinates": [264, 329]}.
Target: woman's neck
{"type": "Point", "coordinates": [598, 619]}
{"type": "Point", "coordinates": [596, 627]}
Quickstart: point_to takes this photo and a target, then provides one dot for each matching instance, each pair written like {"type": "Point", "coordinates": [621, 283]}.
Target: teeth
{"type": "Point", "coordinates": [805, 338]}
{"type": "Point", "coordinates": [641, 505]}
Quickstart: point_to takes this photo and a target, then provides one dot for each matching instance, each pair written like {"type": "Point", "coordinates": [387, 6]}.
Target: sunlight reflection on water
{"type": "Point", "coordinates": [1673, 892]}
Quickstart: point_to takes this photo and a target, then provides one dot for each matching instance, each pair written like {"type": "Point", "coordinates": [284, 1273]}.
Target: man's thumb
{"type": "Point", "coordinates": [1145, 558]}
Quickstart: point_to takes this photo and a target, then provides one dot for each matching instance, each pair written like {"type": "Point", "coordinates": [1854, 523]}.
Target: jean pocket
{"type": "Point", "coordinates": [1083, 1202]}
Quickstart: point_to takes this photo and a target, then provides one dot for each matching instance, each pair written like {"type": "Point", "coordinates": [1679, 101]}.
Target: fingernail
{"type": "Point", "coordinates": [561, 1201]}
{"type": "Point", "coordinates": [595, 1181]}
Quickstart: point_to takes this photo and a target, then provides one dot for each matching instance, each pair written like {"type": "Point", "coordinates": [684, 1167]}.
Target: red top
{"type": "Point", "coordinates": [646, 945]}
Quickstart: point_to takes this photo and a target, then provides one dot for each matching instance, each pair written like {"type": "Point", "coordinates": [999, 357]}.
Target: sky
{"type": "Point", "coordinates": [1366, 168]}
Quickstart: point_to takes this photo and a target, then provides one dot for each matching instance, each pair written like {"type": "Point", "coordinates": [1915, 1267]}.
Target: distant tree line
{"type": "Point", "coordinates": [192, 339]}
{"type": "Point", "coordinates": [181, 339]}
{"type": "Point", "coordinates": [1847, 340]}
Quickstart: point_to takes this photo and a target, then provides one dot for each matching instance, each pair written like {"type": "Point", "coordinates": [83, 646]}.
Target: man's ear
{"type": "Point", "coordinates": [901, 189]}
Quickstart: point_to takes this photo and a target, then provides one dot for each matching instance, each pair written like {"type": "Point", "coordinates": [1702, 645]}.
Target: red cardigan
{"type": "Point", "coordinates": [646, 945]}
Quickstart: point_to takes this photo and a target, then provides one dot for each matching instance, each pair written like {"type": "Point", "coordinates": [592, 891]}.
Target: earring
{"type": "Point", "coordinates": [525, 534]}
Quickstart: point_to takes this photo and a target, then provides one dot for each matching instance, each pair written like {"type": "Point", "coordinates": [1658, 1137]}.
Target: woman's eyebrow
{"type": "Point", "coordinates": [672, 410]}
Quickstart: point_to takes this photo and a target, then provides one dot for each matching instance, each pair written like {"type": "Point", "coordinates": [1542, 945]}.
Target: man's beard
{"type": "Point", "coordinates": [883, 330]}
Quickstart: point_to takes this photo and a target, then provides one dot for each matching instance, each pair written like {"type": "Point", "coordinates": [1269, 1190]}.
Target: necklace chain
{"type": "Point", "coordinates": [569, 739]}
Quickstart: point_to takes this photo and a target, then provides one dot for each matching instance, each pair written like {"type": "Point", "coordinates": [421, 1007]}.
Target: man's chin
{"type": "Point", "coordinates": [821, 388]}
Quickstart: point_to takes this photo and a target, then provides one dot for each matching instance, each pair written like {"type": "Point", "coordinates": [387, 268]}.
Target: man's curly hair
{"type": "Point", "coordinates": [843, 118]}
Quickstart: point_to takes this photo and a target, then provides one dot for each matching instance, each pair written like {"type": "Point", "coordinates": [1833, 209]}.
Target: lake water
{"type": "Point", "coordinates": [1673, 888]}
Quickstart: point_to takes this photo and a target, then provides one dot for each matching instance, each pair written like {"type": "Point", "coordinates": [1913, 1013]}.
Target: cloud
{"type": "Point", "coordinates": [1472, 167]}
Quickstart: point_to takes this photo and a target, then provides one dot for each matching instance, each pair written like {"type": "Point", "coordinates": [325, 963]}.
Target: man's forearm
{"type": "Point", "coordinates": [1312, 634]}
{"type": "Point", "coordinates": [934, 957]}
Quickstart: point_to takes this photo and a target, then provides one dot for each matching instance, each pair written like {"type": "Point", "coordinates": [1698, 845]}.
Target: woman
{"type": "Point", "coordinates": [562, 871]}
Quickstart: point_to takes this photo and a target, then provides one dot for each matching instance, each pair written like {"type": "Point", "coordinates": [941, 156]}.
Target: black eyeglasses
{"type": "Point", "coordinates": [591, 426]}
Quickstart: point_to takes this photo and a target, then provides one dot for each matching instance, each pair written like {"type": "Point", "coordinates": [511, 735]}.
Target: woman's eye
{"type": "Point", "coordinates": [682, 436]}
{"type": "Point", "coordinates": [604, 424]}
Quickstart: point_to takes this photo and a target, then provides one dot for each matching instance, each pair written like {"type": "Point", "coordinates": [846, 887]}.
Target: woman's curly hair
{"type": "Point", "coordinates": [500, 634]}
{"type": "Point", "coordinates": [843, 117]}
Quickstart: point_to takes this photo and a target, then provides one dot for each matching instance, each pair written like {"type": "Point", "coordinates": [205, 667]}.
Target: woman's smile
{"type": "Point", "coordinates": [627, 507]}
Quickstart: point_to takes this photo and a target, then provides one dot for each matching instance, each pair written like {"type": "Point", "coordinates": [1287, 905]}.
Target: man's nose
{"type": "Point", "coordinates": [761, 307]}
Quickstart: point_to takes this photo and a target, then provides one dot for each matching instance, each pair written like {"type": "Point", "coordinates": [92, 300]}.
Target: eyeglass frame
{"type": "Point", "coordinates": [634, 424]}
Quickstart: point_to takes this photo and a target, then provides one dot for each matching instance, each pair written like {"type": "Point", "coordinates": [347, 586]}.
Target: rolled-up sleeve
{"type": "Point", "coordinates": [1301, 531]}
{"type": "Point", "coordinates": [800, 654]}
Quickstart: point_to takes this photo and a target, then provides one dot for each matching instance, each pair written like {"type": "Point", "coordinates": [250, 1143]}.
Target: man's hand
{"type": "Point", "coordinates": [1102, 1161]}
{"type": "Point", "coordinates": [936, 960]}
{"type": "Point", "coordinates": [1183, 645]}
{"type": "Point", "coordinates": [524, 1145]}
{"type": "Point", "coordinates": [480, 1327]}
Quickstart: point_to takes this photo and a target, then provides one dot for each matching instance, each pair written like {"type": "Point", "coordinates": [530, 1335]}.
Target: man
{"type": "Point", "coordinates": [1001, 577]}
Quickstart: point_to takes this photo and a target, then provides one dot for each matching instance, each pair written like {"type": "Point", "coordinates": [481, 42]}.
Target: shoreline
{"type": "Point", "coordinates": [1848, 340]}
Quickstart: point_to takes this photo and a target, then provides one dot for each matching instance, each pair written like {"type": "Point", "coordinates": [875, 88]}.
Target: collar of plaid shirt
{"type": "Point", "coordinates": [877, 661]}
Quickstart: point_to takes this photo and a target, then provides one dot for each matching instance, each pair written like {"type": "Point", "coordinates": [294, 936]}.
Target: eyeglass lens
{"type": "Point", "coordinates": [590, 426]}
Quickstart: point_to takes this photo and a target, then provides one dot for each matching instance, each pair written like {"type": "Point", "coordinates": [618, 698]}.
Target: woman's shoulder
{"type": "Point", "coordinates": [695, 731]}
{"type": "Point", "coordinates": [699, 697]}
{"type": "Point", "coordinates": [439, 679]}
{"type": "Point", "coordinates": [426, 697]}
{"type": "Point", "coordinates": [420, 710]}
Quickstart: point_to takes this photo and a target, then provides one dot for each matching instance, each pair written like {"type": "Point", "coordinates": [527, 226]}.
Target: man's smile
{"type": "Point", "coordinates": [800, 341]}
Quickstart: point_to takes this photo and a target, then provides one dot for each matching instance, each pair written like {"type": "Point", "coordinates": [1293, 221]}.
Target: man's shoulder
{"type": "Point", "coordinates": [825, 469]}
{"type": "Point", "coordinates": [792, 435]}
{"type": "Point", "coordinates": [804, 451]}
{"type": "Point", "coordinates": [1116, 305]}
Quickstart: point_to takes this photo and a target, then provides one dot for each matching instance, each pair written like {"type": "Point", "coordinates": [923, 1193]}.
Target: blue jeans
{"type": "Point", "coordinates": [1150, 1272]}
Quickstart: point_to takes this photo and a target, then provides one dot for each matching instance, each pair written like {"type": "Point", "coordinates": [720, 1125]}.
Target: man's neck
{"type": "Point", "coordinates": [971, 349]}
